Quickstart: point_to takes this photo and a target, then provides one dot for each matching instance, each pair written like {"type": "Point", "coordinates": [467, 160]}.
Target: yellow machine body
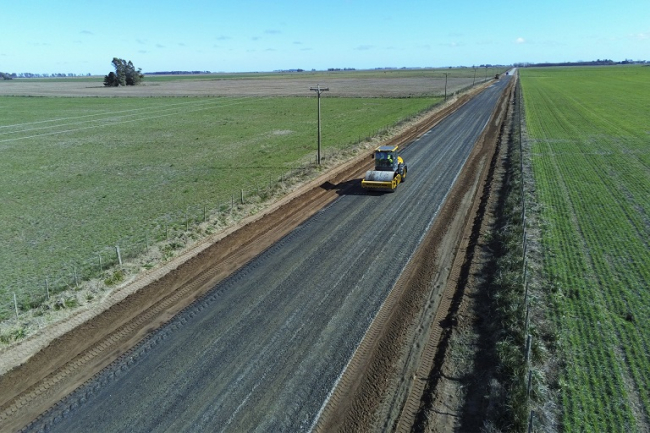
{"type": "Point", "coordinates": [390, 170]}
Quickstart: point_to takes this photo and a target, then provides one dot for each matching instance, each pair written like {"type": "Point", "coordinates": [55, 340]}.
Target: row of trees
{"type": "Point", "coordinates": [599, 62]}
{"type": "Point", "coordinates": [12, 75]}
{"type": "Point", "coordinates": [125, 74]}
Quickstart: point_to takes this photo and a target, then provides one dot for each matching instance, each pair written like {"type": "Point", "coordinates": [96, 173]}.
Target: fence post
{"type": "Point", "coordinates": [530, 421]}
{"type": "Point", "coordinates": [242, 196]}
{"type": "Point", "coordinates": [47, 287]}
{"type": "Point", "coordinates": [119, 255]}
{"type": "Point", "coordinates": [16, 305]}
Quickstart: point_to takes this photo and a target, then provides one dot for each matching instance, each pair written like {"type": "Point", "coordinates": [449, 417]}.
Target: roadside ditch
{"type": "Point", "coordinates": [495, 371]}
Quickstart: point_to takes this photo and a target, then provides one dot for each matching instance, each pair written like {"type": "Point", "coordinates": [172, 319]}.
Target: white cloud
{"type": "Point", "coordinates": [520, 40]}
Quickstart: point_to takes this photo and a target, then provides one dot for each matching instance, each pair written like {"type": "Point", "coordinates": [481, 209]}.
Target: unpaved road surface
{"type": "Point", "coordinates": [264, 348]}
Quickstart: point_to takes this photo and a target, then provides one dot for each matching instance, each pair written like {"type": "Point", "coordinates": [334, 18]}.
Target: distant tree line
{"type": "Point", "coordinates": [599, 62]}
{"type": "Point", "coordinates": [179, 73]}
{"type": "Point", "coordinates": [125, 74]}
{"type": "Point", "coordinates": [289, 70]}
{"type": "Point", "coordinates": [10, 76]}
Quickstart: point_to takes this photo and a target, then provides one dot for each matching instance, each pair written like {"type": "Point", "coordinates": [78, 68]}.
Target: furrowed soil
{"type": "Point", "coordinates": [428, 308]}
{"type": "Point", "coordinates": [397, 87]}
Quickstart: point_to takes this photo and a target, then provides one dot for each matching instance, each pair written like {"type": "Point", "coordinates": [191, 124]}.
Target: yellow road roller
{"type": "Point", "coordinates": [390, 170]}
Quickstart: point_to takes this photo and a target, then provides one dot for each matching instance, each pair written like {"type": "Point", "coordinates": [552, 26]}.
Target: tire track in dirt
{"type": "Point", "coordinates": [141, 319]}
{"type": "Point", "coordinates": [431, 370]}
{"type": "Point", "coordinates": [361, 401]}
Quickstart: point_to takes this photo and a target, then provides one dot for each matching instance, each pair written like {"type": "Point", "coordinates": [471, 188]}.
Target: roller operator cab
{"type": "Point", "coordinates": [390, 170]}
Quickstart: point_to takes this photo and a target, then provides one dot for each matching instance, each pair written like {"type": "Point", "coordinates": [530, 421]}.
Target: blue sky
{"type": "Point", "coordinates": [41, 36]}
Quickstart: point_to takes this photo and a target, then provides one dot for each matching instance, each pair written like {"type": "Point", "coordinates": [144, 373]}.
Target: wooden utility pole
{"type": "Point", "coordinates": [446, 86]}
{"type": "Point", "coordinates": [319, 91]}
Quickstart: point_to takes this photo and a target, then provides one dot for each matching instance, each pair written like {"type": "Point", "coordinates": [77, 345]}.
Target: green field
{"type": "Point", "coordinates": [589, 130]}
{"type": "Point", "coordinates": [80, 175]}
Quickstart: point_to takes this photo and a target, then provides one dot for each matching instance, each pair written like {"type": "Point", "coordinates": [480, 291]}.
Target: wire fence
{"type": "Point", "coordinates": [531, 373]}
{"type": "Point", "coordinates": [160, 240]}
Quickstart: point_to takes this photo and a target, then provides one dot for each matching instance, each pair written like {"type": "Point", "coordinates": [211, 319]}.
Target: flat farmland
{"type": "Point", "coordinates": [372, 84]}
{"type": "Point", "coordinates": [590, 141]}
{"type": "Point", "coordinates": [83, 174]}
{"type": "Point", "coordinates": [279, 357]}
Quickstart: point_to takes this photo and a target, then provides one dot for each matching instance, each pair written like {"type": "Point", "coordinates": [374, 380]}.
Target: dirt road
{"type": "Point", "coordinates": [265, 347]}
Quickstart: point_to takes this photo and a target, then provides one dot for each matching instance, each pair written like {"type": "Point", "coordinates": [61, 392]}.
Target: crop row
{"type": "Point", "coordinates": [590, 166]}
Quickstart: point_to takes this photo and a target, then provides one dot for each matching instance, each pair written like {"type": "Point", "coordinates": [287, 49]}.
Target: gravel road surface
{"type": "Point", "coordinates": [264, 349]}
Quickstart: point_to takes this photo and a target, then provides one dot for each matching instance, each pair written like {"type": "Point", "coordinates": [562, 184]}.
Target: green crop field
{"type": "Point", "coordinates": [80, 175]}
{"type": "Point", "coordinates": [590, 135]}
